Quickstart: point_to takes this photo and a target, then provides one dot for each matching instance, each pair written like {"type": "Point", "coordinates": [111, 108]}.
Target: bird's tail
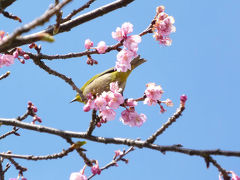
{"type": "Point", "coordinates": [137, 61]}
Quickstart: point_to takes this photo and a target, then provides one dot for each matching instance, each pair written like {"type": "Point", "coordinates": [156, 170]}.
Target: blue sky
{"type": "Point", "coordinates": [203, 62]}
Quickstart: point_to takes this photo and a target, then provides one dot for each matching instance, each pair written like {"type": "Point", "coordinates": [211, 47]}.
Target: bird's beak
{"type": "Point", "coordinates": [75, 99]}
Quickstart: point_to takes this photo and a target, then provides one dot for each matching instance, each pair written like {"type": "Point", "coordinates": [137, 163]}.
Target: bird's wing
{"type": "Point", "coordinates": [97, 76]}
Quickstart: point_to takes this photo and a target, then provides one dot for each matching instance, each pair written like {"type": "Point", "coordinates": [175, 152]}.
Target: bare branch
{"type": "Point", "coordinates": [122, 141]}
{"type": "Point", "coordinates": [220, 169]}
{"type": "Point", "coordinates": [80, 152]}
{"type": "Point", "coordinates": [92, 123]}
{"type": "Point", "coordinates": [67, 26]}
{"type": "Point", "coordinates": [7, 43]}
{"type": "Point", "coordinates": [9, 133]}
{"type": "Point", "coordinates": [35, 158]}
{"type": "Point", "coordinates": [5, 75]}
{"type": "Point", "coordinates": [17, 165]}
{"type": "Point", "coordinates": [171, 120]}
{"type": "Point", "coordinates": [74, 12]}
{"type": "Point", "coordinates": [5, 3]}
{"type": "Point", "coordinates": [55, 73]}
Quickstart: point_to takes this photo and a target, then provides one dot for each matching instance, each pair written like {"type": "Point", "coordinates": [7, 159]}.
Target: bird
{"type": "Point", "coordinates": [101, 82]}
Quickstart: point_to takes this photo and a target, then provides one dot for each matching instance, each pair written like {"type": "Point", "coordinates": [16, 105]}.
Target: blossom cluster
{"type": "Point", "coordinates": [107, 102]}
{"type": "Point", "coordinates": [101, 47]}
{"type": "Point", "coordinates": [163, 27]}
{"type": "Point", "coordinates": [130, 44]}
{"type": "Point", "coordinates": [5, 59]}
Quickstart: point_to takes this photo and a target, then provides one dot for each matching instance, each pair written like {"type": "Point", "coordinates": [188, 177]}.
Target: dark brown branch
{"type": "Point", "coordinates": [9, 41]}
{"type": "Point", "coordinates": [10, 16]}
{"type": "Point", "coordinates": [1, 170]}
{"type": "Point", "coordinates": [17, 166]}
{"type": "Point", "coordinates": [122, 141]}
{"type": "Point", "coordinates": [92, 123]}
{"type": "Point", "coordinates": [58, 19]}
{"type": "Point", "coordinates": [220, 169]}
{"type": "Point", "coordinates": [55, 73]}
{"type": "Point", "coordinates": [5, 3]}
{"type": "Point", "coordinates": [9, 133]}
{"type": "Point", "coordinates": [74, 12]}
{"type": "Point", "coordinates": [80, 152]}
{"type": "Point", "coordinates": [67, 26]}
{"type": "Point", "coordinates": [35, 158]}
{"type": "Point", "coordinates": [5, 75]}
{"type": "Point", "coordinates": [24, 116]}
{"type": "Point", "coordinates": [171, 120]}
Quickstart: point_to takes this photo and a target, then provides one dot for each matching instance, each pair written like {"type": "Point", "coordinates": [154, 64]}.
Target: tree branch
{"type": "Point", "coordinates": [9, 41]}
{"type": "Point", "coordinates": [122, 141]}
{"type": "Point", "coordinates": [67, 26]}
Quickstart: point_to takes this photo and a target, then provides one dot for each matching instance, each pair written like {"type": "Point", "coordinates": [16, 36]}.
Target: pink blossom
{"type": "Point", "coordinates": [100, 103]}
{"type": "Point", "coordinates": [101, 47]}
{"type": "Point", "coordinates": [95, 169]}
{"type": "Point", "coordinates": [131, 43]}
{"type": "Point", "coordinates": [183, 98]}
{"type": "Point", "coordinates": [168, 102]}
{"type": "Point", "coordinates": [131, 118]}
{"type": "Point", "coordinates": [108, 114]}
{"type": "Point", "coordinates": [121, 33]}
{"type": "Point", "coordinates": [115, 100]}
{"type": "Point", "coordinates": [153, 94]}
{"type": "Point", "coordinates": [234, 176]}
{"type": "Point", "coordinates": [165, 26]}
{"type": "Point", "coordinates": [114, 87]}
{"type": "Point", "coordinates": [88, 44]}
{"type": "Point", "coordinates": [164, 40]}
{"type": "Point", "coordinates": [124, 57]}
{"type": "Point", "coordinates": [6, 60]}
{"type": "Point", "coordinates": [118, 34]}
{"type": "Point", "coordinates": [127, 28]}
{"type": "Point", "coordinates": [131, 102]}
{"type": "Point", "coordinates": [89, 105]}
{"type": "Point", "coordinates": [77, 176]}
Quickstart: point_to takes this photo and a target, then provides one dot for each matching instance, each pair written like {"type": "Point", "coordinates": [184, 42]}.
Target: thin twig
{"type": "Point", "coordinates": [80, 152]}
{"type": "Point", "coordinates": [39, 21]}
{"type": "Point", "coordinates": [24, 116]}
{"type": "Point", "coordinates": [74, 12]}
{"type": "Point", "coordinates": [64, 27]}
{"type": "Point", "coordinates": [61, 154]}
{"type": "Point", "coordinates": [42, 65]}
{"type": "Point", "coordinates": [9, 133]}
{"type": "Point", "coordinates": [171, 120]}
{"type": "Point", "coordinates": [92, 123]}
{"type": "Point", "coordinates": [17, 165]}
{"type": "Point", "coordinates": [114, 161]}
{"type": "Point", "coordinates": [5, 75]}
{"type": "Point", "coordinates": [220, 169]}
{"type": "Point", "coordinates": [58, 19]}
